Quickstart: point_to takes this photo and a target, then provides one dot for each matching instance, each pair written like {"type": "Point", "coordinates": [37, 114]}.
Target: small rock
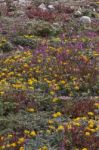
{"type": "Point", "coordinates": [51, 7]}
{"type": "Point", "coordinates": [72, 8]}
{"type": "Point", "coordinates": [85, 20]}
{"type": "Point", "coordinates": [11, 13]}
{"type": "Point", "coordinates": [56, 3]}
{"type": "Point", "coordinates": [78, 13]}
{"type": "Point", "coordinates": [20, 13]}
{"type": "Point", "coordinates": [56, 24]}
{"type": "Point", "coordinates": [24, 2]}
{"type": "Point", "coordinates": [42, 7]}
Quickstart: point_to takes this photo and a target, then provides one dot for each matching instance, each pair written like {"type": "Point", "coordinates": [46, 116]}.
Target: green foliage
{"type": "Point", "coordinates": [6, 46]}
{"type": "Point", "coordinates": [23, 41]}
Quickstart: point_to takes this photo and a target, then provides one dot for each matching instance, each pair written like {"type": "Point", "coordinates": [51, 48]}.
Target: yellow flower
{"type": "Point", "coordinates": [30, 110]}
{"type": "Point", "coordinates": [97, 128]}
{"type": "Point", "coordinates": [26, 131]}
{"type": "Point", "coordinates": [33, 133]}
{"type": "Point", "coordinates": [21, 140]}
{"type": "Point", "coordinates": [2, 147]}
{"type": "Point", "coordinates": [50, 121]}
{"type": "Point", "coordinates": [77, 119]}
{"type": "Point", "coordinates": [92, 130]}
{"type": "Point", "coordinates": [95, 53]}
{"type": "Point", "coordinates": [52, 93]}
{"type": "Point", "coordinates": [4, 40]}
{"type": "Point", "coordinates": [52, 127]}
{"type": "Point", "coordinates": [13, 145]}
{"type": "Point", "coordinates": [84, 149]}
{"type": "Point", "coordinates": [69, 126]}
{"type": "Point", "coordinates": [87, 133]}
{"type": "Point", "coordinates": [48, 131]}
{"type": "Point", "coordinates": [30, 82]}
{"type": "Point", "coordinates": [10, 135]}
{"type": "Point", "coordinates": [91, 123]}
{"type": "Point", "coordinates": [76, 124]}
{"type": "Point", "coordinates": [21, 148]}
{"type": "Point", "coordinates": [90, 113]}
{"type": "Point", "coordinates": [60, 128]}
{"type": "Point", "coordinates": [58, 114]}
{"type": "Point", "coordinates": [62, 82]}
{"type": "Point", "coordinates": [76, 87]}
{"type": "Point", "coordinates": [55, 99]}
{"type": "Point", "coordinates": [32, 88]}
{"type": "Point", "coordinates": [43, 148]}
{"type": "Point", "coordinates": [26, 65]}
{"type": "Point", "coordinates": [57, 87]}
{"type": "Point", "coordinates": [84, 118]}
{"type": "Point", "coordinates": [39, 61]}
{"type": "Point", "coordinates": [97, 105]}
{"type": "Point", "coordinates": [2, 93]}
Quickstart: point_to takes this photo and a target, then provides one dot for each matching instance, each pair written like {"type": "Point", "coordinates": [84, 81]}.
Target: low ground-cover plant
{"type": "Point", "coordinates": [36, 86]}
{"type": "Point", "coordinates": [49, 83]}
{"type": "Point", "coordinates": [50, 127]}
{"type": "Point", "coordinates": [70, 69]}
{"type": "Point", "coordinates": [82, 132]}
{"type": "Point", "coordinates": [50, 16]}
{"type": "Point", "coordinates": [25, 41]}
{"type": "Point", "coordinates": [5, 45]}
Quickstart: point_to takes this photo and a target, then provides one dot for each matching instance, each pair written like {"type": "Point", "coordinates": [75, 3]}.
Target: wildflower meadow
{"type": "Point", "coordinates": [49, 75]}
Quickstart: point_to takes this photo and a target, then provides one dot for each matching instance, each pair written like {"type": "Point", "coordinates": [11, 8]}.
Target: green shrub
{"type": "Point", "coordinates": [43, 32]}
{"type": "Point", "coordinates": [6, 46]}
{"type": "Point", "coordinates": [23, 41]}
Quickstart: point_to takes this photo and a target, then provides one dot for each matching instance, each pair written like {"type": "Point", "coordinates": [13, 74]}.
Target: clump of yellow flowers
{"type": "Point", "coordinates": [57, 114]}
{"type": "Point", "coordinates": [31, 110]}
{"type": "Point", "coordinates": [43, 148]}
